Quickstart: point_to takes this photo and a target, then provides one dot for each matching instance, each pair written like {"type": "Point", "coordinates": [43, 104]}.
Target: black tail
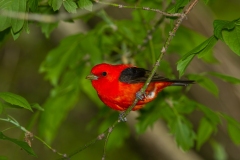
{"type": "Point", "coordinates": [181, 82]}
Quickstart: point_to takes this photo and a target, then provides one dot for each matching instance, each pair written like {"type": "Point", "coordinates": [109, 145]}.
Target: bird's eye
{"type": "Point", "coordinates": [104, 73]}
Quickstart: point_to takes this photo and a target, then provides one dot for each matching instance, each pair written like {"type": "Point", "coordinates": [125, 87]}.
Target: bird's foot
{"type": "Point", "coordinates": [122, 117]}
{"type": "Point", "coordinates": [140, 95]}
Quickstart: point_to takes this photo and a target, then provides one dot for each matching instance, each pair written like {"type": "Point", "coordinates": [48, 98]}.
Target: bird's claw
{"type": "Point", "coordinates": [140, 95]}
{"type": "Point", "coordinates": [122, 117]}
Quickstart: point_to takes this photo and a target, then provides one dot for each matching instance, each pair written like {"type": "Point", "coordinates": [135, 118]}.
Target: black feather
{"type": "Point", "coordinates": [137, 75]}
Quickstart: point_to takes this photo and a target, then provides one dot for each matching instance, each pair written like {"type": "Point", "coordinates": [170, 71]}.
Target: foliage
{"type": "Point", "coordinates": [117, 41]}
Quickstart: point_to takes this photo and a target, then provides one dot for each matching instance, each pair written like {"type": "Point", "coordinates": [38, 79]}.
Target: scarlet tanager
{"type": "Point", "coordinates": [117, 85]}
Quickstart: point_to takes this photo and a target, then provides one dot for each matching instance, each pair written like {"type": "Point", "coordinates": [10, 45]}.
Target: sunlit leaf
{"type": "Point", "coordinates": [22, 144]}
{"type": "Point", "coordinates": [70, 6]}
{"type": "Point", "coordinates": [86, 4]}
{"type": "Point", "coordinates": [201, 50]}
{"type": "Point", "coordinates": [15, 100]}
{"type": "Point", "coordinates": [6, 22]}
{"type": "Point", "coordinates": [56, 4]}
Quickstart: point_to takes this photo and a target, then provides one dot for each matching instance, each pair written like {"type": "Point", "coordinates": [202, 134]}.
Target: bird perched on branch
{"type": "Point", "coordinates": [117, 85]}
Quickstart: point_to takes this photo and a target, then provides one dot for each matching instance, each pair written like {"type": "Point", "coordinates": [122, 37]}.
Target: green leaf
{"type": "Point", "coordinates": [22, 144]}
{"type": "Point", "coordinates": [63, 98]}
{"type": "Point", "coordinates": [33, 5]}
{"type": "Point", "coordinates": [201, 50]}
{"type": "Point", "coordinates": [85, 4]}
{"type": "Point", "coordinates": [205, 130]}
{"type": "Point", "coordinates": [56, 4]}
{"type": "Point", "coordinates": [219, 151]}
{"type": "Point", "coordinates": [184, 135]}
{"type": "Point", "coordinates": [182, 64]}
{"type": "Point", "coordinates": [229, 32]}
{"type": "Point", "coordinates": [233, 129]}
{"type": "Point", "coordinates": [226, 78]}
{"type": "Point", "coordinates": [184, 105]}
{"type": "Point", "coordinates": [61, 57]}
{"type": "Point", "coordinates": [47, 28]}
{"type": "Point", "coordinates": [220, 25]}
{"type": "Point", "coordinates": [56, 109]}
{"type": "Point", "coordinates": [156, 110]}
{"type": "Point", "coordinates": [15, 100]}
{"type": "Point", "coordinates": [15, 35]}
{"type": "Point", "coordinates": [15, 6]}
{"type": "Point", "coordinates": [70, 6]}
{"type": "Point", "coordinates": [210, 42]}
{"type": "Point", "coordinates": [37, 106]}
{"type": "Point", "coordinates": [232, 39]}
{"type": "Point", "coordinates": [205, 82]}
{"type": "Point", "coordinates": [212, 116]}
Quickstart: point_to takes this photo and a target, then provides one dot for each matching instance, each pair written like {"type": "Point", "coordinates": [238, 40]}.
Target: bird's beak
{"type": "Point", "coordinates": [92, 77]}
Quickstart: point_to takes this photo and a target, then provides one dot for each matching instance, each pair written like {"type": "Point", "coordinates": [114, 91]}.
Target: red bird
{"type": "Point", "coordinates": [117, 85]}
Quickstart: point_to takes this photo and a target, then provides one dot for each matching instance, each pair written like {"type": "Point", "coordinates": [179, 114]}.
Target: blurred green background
{"type": "Point", "coordinates": [20, 61]}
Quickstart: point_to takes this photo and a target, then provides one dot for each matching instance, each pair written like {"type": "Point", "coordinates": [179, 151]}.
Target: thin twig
{"type": "Point", "coordinates": [98, 138]}
{"type": "Point", "coordinates": [142, 8]}
{"type": "Point", "coordinates": [150, 34]}
{"type": "Point", "coordinates": [15, 122]}
{"type": "Point", "coordinates": [110, 129]}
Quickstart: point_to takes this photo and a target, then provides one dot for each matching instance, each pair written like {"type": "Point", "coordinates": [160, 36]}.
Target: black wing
{"type": "Point", "coordinates": [137, 75]}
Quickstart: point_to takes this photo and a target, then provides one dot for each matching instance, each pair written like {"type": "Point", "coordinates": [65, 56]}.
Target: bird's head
{"type": "Point", "coordinates": [105, 74]}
